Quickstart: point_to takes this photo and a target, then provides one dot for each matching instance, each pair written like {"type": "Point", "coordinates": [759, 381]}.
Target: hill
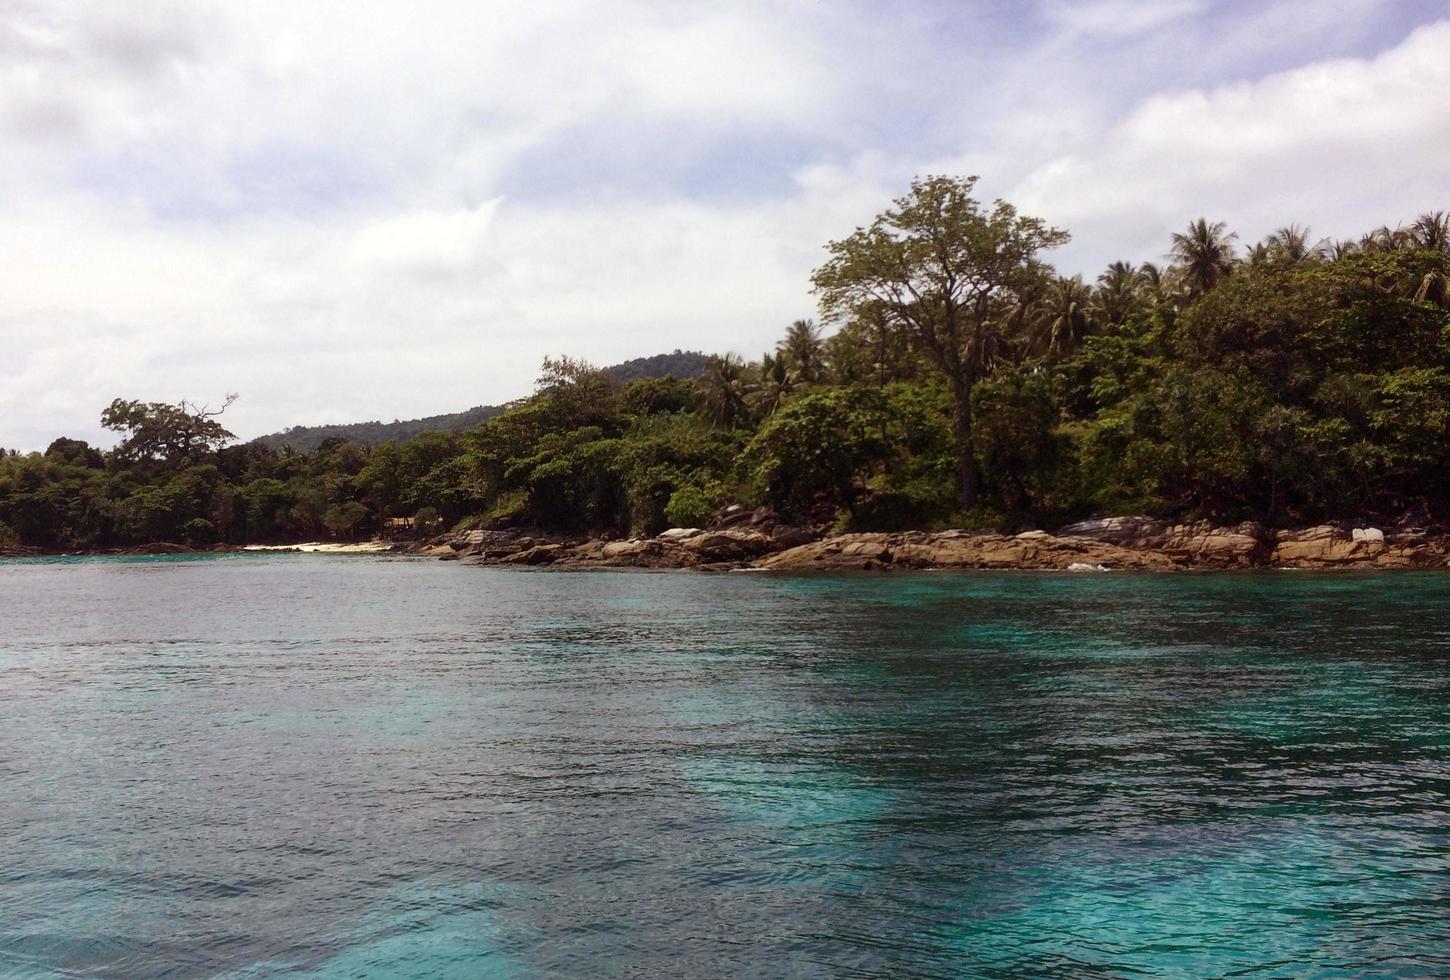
{"type": "Point", "coordinates": [306, 438]}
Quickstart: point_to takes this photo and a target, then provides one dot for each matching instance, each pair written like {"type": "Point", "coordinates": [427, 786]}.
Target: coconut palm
{"type": "Point", "coordinates": [1290, 245]}
{"type": "Point", "coordinates": [1387, 239]}
{"type": "Point", "coordinates": [1160, 286]}
{"type": "Point", "coordinates": [1118, 295]}
{"type": "Point", "coordinates": [1259, 255]}
{"type": "Point", "coordinates": [804, 351]}
{"type": "Point", "coordinates": [1066, 316]}
{"type": "Point", "coordinates": [776, 384]}
{"type": "Point", "coordinates": [1431, 231]}
{"type": "Point", "coordinates": [1342, 249]}
{"type": "Point", "coordinates": [725, 386]}
{"type": "Point", "coordinates": [1206, 253]}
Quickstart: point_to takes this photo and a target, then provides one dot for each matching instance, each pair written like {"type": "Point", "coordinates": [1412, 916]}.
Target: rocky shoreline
{"type": "Point", "coordinates": [757, 540]}
{"type": "Point", "coordinates": [1118, 543]}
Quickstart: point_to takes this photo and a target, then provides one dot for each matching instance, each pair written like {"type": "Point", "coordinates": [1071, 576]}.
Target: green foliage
{"type": "Point", "coordinates": [1308, 382]}
{"type": "Point", "coordinates": [689, 507]}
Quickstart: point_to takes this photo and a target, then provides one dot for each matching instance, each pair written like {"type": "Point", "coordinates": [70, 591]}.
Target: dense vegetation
{"type": "Point", "coordinates": [964, 383]}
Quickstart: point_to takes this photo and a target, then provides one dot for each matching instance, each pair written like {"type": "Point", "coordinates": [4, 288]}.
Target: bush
{"type": "Point", "coordinates": [689, 507]}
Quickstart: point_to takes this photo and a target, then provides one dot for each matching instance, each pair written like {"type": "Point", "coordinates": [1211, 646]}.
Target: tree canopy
{"type": "Point", "coordinates": [962, 383]}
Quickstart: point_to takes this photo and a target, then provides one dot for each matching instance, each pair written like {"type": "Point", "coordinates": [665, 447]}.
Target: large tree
{"type": "Point", "coordinates": [948, 271]}
{"type": "Point", "coordinates": [160, 430]}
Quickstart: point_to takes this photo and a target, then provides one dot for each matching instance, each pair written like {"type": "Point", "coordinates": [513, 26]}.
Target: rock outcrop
{"type": "Point", "coordinates": [741, 538]}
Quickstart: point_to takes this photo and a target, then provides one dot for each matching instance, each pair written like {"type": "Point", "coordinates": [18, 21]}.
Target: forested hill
{"type": "Point", "coordinates": [687, 365]}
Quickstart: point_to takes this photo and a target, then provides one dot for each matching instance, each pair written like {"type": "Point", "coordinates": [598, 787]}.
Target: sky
{"type": "Point", "coordinates": [347, 212]}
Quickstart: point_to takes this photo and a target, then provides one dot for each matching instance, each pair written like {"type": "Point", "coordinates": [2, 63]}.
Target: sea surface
{"type": "Point", "coordinates": [350, 766]}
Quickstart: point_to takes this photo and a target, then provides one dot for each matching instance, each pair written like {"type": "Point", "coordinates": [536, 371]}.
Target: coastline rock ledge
{"type": "Point", "coordinates": [1117, 543]}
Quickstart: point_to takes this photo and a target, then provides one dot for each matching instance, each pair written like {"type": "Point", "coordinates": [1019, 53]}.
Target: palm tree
{"type": "Point", "coordinates": [1387, 239]}
{"type": "Point", "coordinates": [1156, 284]}
{"type": "Point", "coordinates": [1431, 231]}
{"type": "Point", "coordinates": [804, 351]}
{"type": "Point", "coordinates": [1258, 255]}
{"type": "Point", "coordinates": [1118, 295]}
{"type": "Point", "coordinates": [725, 386]}
{"type": "Point", "coordinates": [776, 384]}
{"type": "Point", "coordinates": [1290, 245]}
{"type": "Point", "coordinates": [1343, 249]}
{"type": "Point", "coordinates": [1066, 316]}
{"type": "Point", "coordinates": [1206, 253]}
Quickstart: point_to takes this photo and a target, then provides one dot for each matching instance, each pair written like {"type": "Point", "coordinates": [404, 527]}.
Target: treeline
{"type": "Point", "coordinates": [960, 382]}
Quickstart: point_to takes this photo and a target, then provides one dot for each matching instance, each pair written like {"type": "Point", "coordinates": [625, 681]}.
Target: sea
{"type": "Point", "coordinates": [342, 766]}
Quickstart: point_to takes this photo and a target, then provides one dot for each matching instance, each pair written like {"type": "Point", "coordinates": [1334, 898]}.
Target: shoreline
{"type": "Point", "coordinates": [1109, 544]}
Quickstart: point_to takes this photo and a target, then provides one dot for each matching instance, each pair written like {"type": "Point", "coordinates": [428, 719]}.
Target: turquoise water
{"type": "Point", "coordinates": [341, 766]}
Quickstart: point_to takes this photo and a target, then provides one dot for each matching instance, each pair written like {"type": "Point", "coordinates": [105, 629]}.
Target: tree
{"type": "Point", "coordinates": [160, 430]}
{"type": "Point", "coordinates": [1066, 316]}
{"type": "Point", "coordinates": [1290, 245]}
{"type": "Point", "coordinates": [724, 387]}
{"type": "Point", "coordinates": [776, 383]}
{"type": "Point", "coordinates": [1431, 231]}
{"type": "Point", "coordinates": [948, 271]}
{"type": "Point", "coordinates": [1206, 253]}
{"type": "Point", "coordinates": [343, 519]}
{"type": "Point", "coordinates": [1117, 295]}
{"type": "Point", "coordinates": [803, 351]}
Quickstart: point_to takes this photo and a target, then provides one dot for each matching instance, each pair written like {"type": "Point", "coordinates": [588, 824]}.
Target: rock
{"type": "Point", "coordinates": [790, 537]}
{"type": "Point", "coordinates": [161, 548]}
{"type": "Point", "coordinates": [729, 516]}
{"type": "Point", "coordinates": [616, 550]}
{"type": "Point", "coordinates": [542, 554]}
{"type": "Point", "coordinates": [1117, 530]}
{"type": "Point", "coordinates": [870, 550]}
{"type": "Point", "coordinates": [1241, 546]}
{"type": "Point", "coordinates": [1367, 534]}
{"type": "Point", "coordinates": [678, 533]}
{"type": "Point", "coordinates": [843, 552]}
{"type": "Point", "coordinates": [1328, 545]}
{"type": "Point", "coordinates": [1033, 536]}
{"type": "Point", "coordinates": [728, 545]}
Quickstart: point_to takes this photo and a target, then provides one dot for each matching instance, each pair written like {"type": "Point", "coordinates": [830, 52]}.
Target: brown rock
{"type": "Point", "coordinates": [542, 554]}
{"type": "Point", "coordinates": [1241, 546]}
{"type": "Point", "coordinates": [1135, 531]}
{"type": "Point", "coordinates": [728, 545]}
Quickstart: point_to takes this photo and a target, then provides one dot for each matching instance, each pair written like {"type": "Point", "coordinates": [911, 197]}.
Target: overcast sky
{"type": "Point", "coordinates": [348, 211]}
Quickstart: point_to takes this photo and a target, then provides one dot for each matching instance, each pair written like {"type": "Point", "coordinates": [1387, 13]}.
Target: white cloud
{"type": "Point", "coordinates": [348, 212]}
{"type": "Point", "coordinates": [1348, 144]}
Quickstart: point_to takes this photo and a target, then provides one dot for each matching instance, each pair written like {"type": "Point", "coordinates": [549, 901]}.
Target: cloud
{"type": "Point", "coordinates": [1350, 144]}
{"type": "Point", "coordinates": [1119, 17]}
{"type": "Point", "coordinates": [394, 210]}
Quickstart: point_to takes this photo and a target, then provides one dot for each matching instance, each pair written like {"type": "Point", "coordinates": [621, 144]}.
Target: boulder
{"type": "Point", "coordinates": [728, 545]}
{"type": "Point", "coordinates": [678, 533]}
{"type": "Point", "coordinates": [1327, 545]}
{"type": "Point", "coordinates": [541, 554]}
{"type": "Point", "coordinates": [790, 537]}
{"type": "Point", "coordinates": [1240, 546]}
{"type": "Point", "coordinates": [844, 552]}
{"type": "Point", "coordinates": [1128, 531]}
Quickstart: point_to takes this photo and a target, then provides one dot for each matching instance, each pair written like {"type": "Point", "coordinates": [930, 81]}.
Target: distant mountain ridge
{"type": "Point", "coordinates": [306, 438]}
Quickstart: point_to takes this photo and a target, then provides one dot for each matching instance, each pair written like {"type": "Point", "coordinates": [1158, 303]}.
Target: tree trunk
{"type": "Point", "coordinates": [962, 428]}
